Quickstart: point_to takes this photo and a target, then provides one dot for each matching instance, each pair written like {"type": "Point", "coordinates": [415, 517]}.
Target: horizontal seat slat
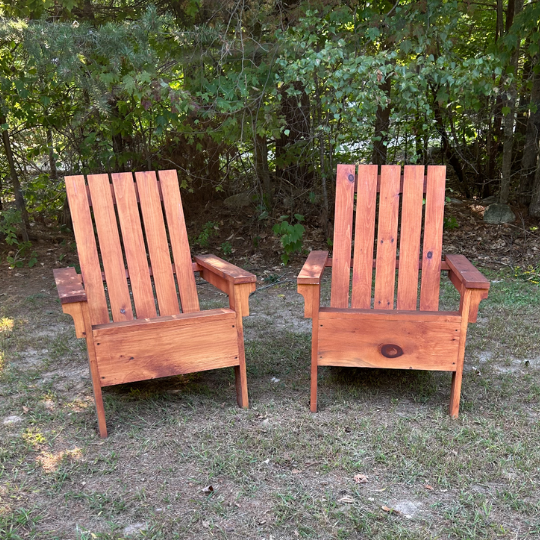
{"type": "Point", "coordinates": [389, 315]}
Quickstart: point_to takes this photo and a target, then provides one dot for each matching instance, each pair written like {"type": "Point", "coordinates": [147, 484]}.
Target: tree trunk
{"type": "Point", "coordinates": [534, 207]}
{"type": "Point", "coordinates": [382, 124]}
{"type": "Point", "coordinates": [447, 150]}
{"type": "Point", "coordinates": [261, 166]}
{"type": "Point", "coordinates": [52, 161]}
{"type": "Point", "coordinates": [296, 112]}
{"type": "Point", "coordinates": [19, 199]}
{"type": "Point", "coordinates": [532, 138]}
{"type": "Point", "coordinates": [514, 7]}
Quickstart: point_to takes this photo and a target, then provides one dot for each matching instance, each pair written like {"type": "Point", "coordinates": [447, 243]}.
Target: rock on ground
{"type": "Point", "coordinates": [499, 213]}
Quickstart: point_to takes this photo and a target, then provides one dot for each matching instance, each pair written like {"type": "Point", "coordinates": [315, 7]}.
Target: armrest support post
{"type": "Point", "coordinates": [309, 282]}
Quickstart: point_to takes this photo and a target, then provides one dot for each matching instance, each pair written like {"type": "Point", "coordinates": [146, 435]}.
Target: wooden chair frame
{"type": "Point", "coordinates": [404, 338]}
{"type": "Point", "coordinates": [134, 349]}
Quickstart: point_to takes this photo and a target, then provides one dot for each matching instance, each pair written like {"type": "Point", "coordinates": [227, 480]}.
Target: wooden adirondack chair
{"type": "Point", "coordinates": [410, 336]}
{"type": "Point", "coordinates": [149, 336]}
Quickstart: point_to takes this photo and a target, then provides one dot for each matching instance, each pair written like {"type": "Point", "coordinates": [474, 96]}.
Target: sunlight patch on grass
{"type": "Point", "coordinates": [6, 324]}
{"type": "Point", "coordinates": [51, 461]}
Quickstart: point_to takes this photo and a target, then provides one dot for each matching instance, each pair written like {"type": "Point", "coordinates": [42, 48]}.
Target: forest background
{"type": "Point", "coordinates": [261, 99]}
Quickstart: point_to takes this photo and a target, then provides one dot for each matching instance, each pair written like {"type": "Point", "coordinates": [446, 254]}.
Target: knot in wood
{"type": "Point", "coordinates": [391, 351]}
{"type": "Point", "coordinates": [351, 177]}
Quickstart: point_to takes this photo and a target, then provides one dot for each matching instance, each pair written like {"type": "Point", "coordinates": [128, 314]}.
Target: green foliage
{"type": "Point", "coordinates": [226, 248]}
{"type": "Point", "coordinates": [209, 230]}
{"type": "Point", "coordinates": [10, 221]}
{"type": "Point", "coordinates": [450, 223]}
{"type": "Point", "coordinates": [291, 236]}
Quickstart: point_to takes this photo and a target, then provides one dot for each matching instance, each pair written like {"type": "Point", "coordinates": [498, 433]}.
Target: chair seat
{"type": "Point", "coordinates": [144, 349]}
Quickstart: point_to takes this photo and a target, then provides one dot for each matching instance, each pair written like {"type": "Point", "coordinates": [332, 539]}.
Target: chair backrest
{"type": "Point", "coordinates": [390, 194]}
{"type": "Point", "coordinates": [125, 261]}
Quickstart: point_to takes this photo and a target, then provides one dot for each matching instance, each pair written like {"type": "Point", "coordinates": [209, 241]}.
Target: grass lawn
{"type": "Point", "coordinates": [276, 470]}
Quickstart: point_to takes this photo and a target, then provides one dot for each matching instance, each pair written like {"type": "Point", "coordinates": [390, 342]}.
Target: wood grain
{"type": "Point", "coordinates": [364, 235]}
{"type": "Point", "coordinates": [433, 229]}
{"type": "Point", "coordinates": [110, 248]}
{"type": "Point", "coordinates": [133, 240]}
{"type": "Point", "coordinates": [149, 351]}
{"type": "Point", "coordinates": [69, 285]}
{"type": "Point", "coordinates": [158, 247]}
{"type": "Point", "coordinates": [313, 268]}
{"type": "Point", "coordinates": [75, 310]}
{"type": "Point", "coordinates": [397, 316]}
{"type": "Point", "coordinates": [87, 249]}
{"type": "Point", "coordinates": [225, 269]}
{"type": "Point", "coordinates": [94, 370]}
{"type": "Point", "coordinates": [240, 295]}
{"type": "Point", "coordinates": [343, 222]}
{"type": "Point", "coordinates": [179, 240]}
{"type": "Point", "coordinates": [467, 274]}
{"type": "Point", "coordinates": [455, 391]}
{"type": "Point", "coordinates": [315, 302]}
{"type": "Point", "coordinates": [350, 341]}
{"type": "Point", "coordinates": [409, 245]}
{"type": "Point", "coordinates": [385, 273]}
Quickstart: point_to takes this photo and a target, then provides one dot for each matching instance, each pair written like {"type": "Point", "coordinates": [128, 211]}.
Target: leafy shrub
{"type": "Point", "coordinates": [291, 235]}
{"type": "Point", "coordinates": [9, 224]}
{"type": "Point", "coordinates": [226, 248]}
{"type": "Point", "coordinates": [450, 223]}
{"type": "Point", "coordinates": [209, 230]}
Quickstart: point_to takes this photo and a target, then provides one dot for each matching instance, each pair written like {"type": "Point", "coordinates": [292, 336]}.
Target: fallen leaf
{"type": "Point", "coordinates": [427, 486]}
{"type": "Point", "coordinates": [296, 471]}
{"type": "Point", "coordinates": [360, 478]}
{"type": "Point", "coordinates": [391, 510]}
{"type": "Point", "coordinates": [25, 409]}
{"type": "Point", "coordinates": [347, 499]}
{"type": "Point", "coordinates": [208, 490]}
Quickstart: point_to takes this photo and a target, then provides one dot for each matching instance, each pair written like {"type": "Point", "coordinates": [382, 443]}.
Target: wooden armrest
{"type": "Point", "coordinates": [225, 270]}
{"type": "Point", "coordinates": [469, 276]}
{"type": "Point", "coordinates": [69, 285]}
{"type": "Point", "coordinates": [313, 268]}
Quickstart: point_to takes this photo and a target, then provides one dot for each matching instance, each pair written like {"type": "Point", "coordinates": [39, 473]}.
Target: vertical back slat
{"type": "Point", "coordinates": [366, 203]}
{"type": "Point", "coordinates": [109, 246]}
{"type": "Point", "coordinates": [172, 202]}
{"type": "Point", "coordinates": [385, 274]}
{"type": "Point", "coordinates": [133, 240]}
{"type": "Point", "coordinates": [87, 249]}
{"type": "Point", "coordinates": [341, 263]}
{"type": "Point", "coordinates": [158, 247]}
{"type": "Point", "coordinates": [433, 229]}
{"type": "Point", "coordinates": [409, 245]}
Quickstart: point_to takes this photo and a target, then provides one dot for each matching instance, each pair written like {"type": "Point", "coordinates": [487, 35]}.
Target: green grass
{"type": "Point", "coordinates": [276, 469]}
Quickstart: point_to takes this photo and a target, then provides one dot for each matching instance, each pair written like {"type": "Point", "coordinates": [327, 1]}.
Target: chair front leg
{"type": "Point", "coordinates": [83, 329]}
{"type": "Point", "coordinates": [312, 299]}
{"type": "Point", "coordinates": [239, 301]}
